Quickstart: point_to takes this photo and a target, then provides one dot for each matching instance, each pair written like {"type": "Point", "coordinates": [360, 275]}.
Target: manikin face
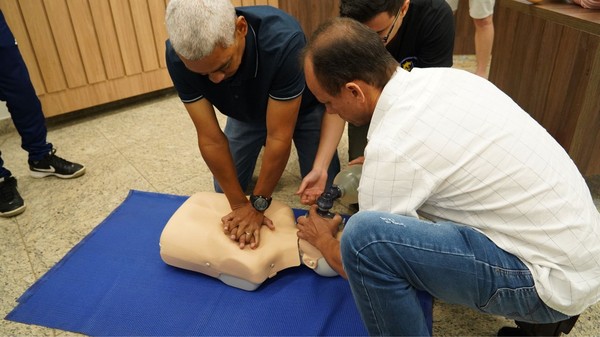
{"type": "Point", "coordinates": [387, 25]}
{"type": "Point", "coordinates": [347, 104]}
{"type": "Point", "coordinates": [222, 63]}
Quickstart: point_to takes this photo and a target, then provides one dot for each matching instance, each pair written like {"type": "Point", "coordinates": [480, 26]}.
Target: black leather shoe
{"type": "Point", "coordinates": [512, 332]}
{"type": "Point", "coordinates": [545, 329]}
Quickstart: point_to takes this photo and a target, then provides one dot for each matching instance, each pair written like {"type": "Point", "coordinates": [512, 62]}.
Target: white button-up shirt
{"type": "Point", "coordinates": [451, 145]}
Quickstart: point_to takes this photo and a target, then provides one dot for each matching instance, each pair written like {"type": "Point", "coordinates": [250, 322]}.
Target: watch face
{"type": "Point", "coordinates": [261, 204]}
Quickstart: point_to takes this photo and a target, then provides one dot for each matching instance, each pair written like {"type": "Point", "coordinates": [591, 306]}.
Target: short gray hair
{"type": "Point", "coordinates": [196, 27]}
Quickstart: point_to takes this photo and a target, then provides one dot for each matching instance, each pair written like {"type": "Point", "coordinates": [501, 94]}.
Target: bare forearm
{"type": "Point", "coordinates": [274, 160]}
{"type": "Point", "coordinates": [214, 149]}
{"type": "Point", "coordinates": [223, 168]}
{"type": "Point", "coordinates": [332, 128]}
{"type": "Point", "coordinates": [330, 248]}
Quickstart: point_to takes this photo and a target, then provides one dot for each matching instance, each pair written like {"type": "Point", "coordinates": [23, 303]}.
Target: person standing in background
{"type": "Point", "coordinates": [482, 12]}
{"type": "Point", "coordinates": [25, 110]}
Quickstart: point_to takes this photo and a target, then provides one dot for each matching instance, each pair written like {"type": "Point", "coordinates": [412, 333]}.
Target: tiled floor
{"type": "Point", "coordinates": [148, 145]}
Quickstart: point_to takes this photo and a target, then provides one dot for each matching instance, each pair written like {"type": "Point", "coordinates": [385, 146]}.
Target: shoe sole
{"type": "Point", "coordinates": [37, 174]}
{"type": "Point", "coordinates": [14, 212]}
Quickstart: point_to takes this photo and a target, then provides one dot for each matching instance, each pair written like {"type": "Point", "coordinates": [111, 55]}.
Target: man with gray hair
{"type": "Point", "coordinates": [244, 62]}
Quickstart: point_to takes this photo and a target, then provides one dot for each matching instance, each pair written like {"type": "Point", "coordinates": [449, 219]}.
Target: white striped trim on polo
{"type": "Point", "coordinates": [193, 99]}
{"type": "Point", "coordinates": [287, 98]}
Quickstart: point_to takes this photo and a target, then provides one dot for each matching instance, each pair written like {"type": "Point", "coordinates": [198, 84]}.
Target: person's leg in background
{"type": "Point", "coordinates": [482, 12]}
{"type": "Point", "coordinates": [306, 141]}
{"type": "Point", "coordinates": [22, 103]}
{"type": "Point", "coordinates": [388, 257]}
{"type": "Point", "coordinates": [11, 203]}
{"type": "Point", "coordinates": [453, 4]}
{"type": "Point", "coordinates": [25, 110]}
{"type": "Point", "coordinates": [245, 143]}
{"type": "Point", "coordinates": [247, 139]}
{"type": "Point", "coordinates": [357, 141]}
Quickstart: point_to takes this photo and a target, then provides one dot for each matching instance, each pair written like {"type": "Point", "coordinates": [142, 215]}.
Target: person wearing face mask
{"type": "Point", "coordinates": [244, 62]}
{"type": "Point", "coordinates": [28, 118]}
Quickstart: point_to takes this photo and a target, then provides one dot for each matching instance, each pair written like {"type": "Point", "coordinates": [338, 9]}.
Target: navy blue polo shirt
{"type": "Point", "coordinates": [270, 68]}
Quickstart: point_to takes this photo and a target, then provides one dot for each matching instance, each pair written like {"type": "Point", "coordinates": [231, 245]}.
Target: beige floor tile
{"type": "Point", "coordinates": [200, 183]}
{"type": "Point", "coordinates": [15, 277]}
{"type": "Point", "coordinates": [54, 222]}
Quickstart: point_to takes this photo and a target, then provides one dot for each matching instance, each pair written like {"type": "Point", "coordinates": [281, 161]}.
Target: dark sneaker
{"type": "Point", "coordinates": [53, 165]}
{"type": "Point", "coordinates": [11, 203]}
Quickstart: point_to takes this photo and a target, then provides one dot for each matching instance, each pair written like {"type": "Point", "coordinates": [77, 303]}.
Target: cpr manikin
{"type": "Point", "coordinates": [193, 239]}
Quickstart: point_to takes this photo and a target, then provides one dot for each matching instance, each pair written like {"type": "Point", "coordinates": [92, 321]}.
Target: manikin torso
{"type": "Point", "coordinates": [193, 239]}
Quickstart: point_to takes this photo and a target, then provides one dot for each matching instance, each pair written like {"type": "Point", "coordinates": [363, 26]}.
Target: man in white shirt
{"type": "Point", "coordinates": [513, 231]}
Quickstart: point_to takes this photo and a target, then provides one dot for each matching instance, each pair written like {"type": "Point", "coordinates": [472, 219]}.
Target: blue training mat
{"type": "Point", "coordinates": [114, 283]}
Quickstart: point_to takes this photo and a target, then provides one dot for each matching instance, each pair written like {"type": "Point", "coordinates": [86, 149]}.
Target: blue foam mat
{"type": "Point", "coordinates": [114, 283]}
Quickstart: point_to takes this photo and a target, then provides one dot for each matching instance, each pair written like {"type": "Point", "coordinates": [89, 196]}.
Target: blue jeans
{"type": "Point", "coordinates": [388, 257]}
{"type": "Point", "coordinates": [247, 139]}
{"type": "Point", "coordinates": [21, 100]}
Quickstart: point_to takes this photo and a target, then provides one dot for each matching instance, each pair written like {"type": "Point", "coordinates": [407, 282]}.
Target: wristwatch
{"type": "Point", "coordinates": [259, 202]}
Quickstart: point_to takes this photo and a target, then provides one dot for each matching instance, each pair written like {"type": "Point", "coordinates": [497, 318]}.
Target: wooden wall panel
{"type": "Point", "coordinates": [83, 53]}
{"type": "Point", "coordinates": [547, 58]}
{"type": "Point", "coordinates": [87, 40]}
{"type": "Point", "coordinates": [64, 39]}
{"type": "Point", "coordinates": [126, 37]}
{"type": "Point", "coordinates": [107, 38]}
{"type": "Point", "coordinates": [144, 34]}
{"type": "Point", "coordinates": [585, 145]}
{"type": "Point", "coordinates": [310, 13]}
{"type": "Point", "coordinates": [157, 17]}
{"type": "Point", "coordinates": [560, 114]}
{"type": "Point", "coordinates": [40, 35]}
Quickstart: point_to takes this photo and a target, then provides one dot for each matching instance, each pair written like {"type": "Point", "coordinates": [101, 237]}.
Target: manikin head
{"type": "Point", "coordinates": [346, 67]}
{"type": "Point", "coordinates": [207, 35]}
{"type": "Point", "coordinates": [383, 16]}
